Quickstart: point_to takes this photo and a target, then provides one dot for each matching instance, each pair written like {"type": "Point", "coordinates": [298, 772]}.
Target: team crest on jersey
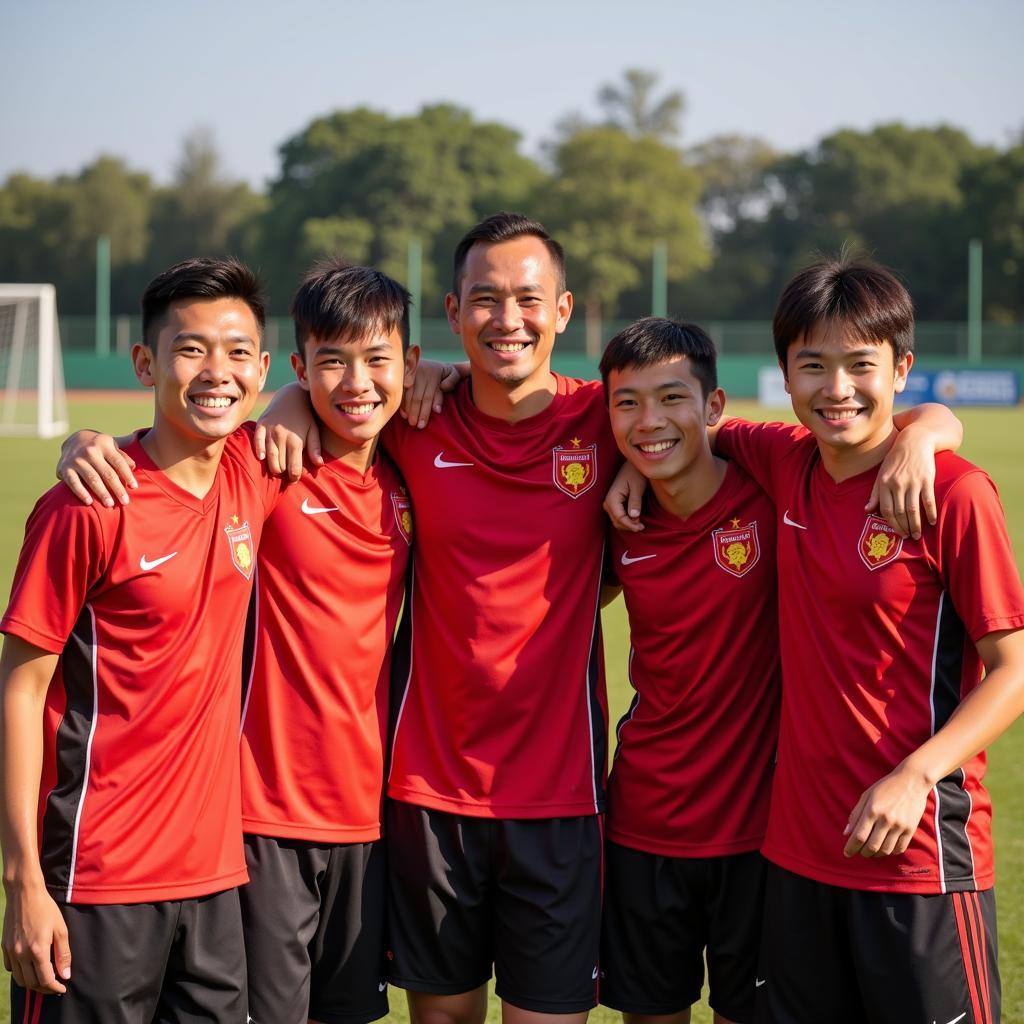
{"type": "Point", "coordinates": [879, 543]}
{"type": "Point", "coordinates": [574, 467]}
{"type": "Point", "coordinates": [737, 549]}
{"type": "Point", "coordinates": [403, 514]}
{"type": "Point", "coordinates": [240, 542]}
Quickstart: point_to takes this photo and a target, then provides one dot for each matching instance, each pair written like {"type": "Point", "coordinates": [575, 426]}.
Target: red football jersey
{"type": "Point", "coordinates": [501, 711]}
{"type": "Point", "coordinates": [145, 604]}
{"type": "Point", "coordinates": [329, 589]}
{"type": "Point", "coordinates": [877, 638]}
{"type": "Point", "coordinates": [693, 767]}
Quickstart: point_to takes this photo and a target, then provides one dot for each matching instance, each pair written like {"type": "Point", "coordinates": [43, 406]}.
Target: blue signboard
{"type": "Point", "coordinates": [962, 387]}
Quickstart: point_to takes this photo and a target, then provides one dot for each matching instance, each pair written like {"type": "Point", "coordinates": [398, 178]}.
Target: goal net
{"type": "Point", "coordinates": [32, 402]}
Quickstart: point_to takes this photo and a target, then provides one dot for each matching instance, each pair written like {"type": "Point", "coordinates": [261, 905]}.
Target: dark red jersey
{"type": "Point", "coordinates": [145, 604]}
{"type": "Point", "coordinates": [878, 650]}
{"type": "Point", "coordinates": [693, 766]}
{"type": "Point", "coordinates": [500, 703]}
{"type": "Point", "coordinates": [330, 586]}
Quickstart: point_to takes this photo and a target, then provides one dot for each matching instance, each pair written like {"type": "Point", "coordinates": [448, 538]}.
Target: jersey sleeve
{"type": "Point", "coordinates": [758, 448]}
{"type": "Point", "coordinates": [64, 555]}
{"type": "Point", "coordinates": [239, 448]}
{"type": "Point", "coordinates": [978, 566]}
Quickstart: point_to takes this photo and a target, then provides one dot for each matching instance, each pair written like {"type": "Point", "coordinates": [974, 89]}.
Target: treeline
{"type": "Point", "coordinates": [737, 216]}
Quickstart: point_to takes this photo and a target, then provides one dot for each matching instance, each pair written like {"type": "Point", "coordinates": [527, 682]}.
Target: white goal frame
{"type": "Point", "coordinates": [50, 417]}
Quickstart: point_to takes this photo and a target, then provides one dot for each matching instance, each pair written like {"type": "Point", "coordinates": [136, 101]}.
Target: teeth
{"type": "Point", "coordinates": [655, 446]}
{"type": "Point", "coordinates": [508, 346]}
{"type": "Point", "coordinates": [210, 402]}
{"type": "Point", "coordinates": [838, 415]}
{"type": "Point", "coordinates": [357, 410]}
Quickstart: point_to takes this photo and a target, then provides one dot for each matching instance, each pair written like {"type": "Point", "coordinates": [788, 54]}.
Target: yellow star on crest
{"type": "Point", "coordinates": [234, 520]}
{"type": "Point", "coordinates": [735, 523]}
{"type": "Point", "coordinates": [576, 442]}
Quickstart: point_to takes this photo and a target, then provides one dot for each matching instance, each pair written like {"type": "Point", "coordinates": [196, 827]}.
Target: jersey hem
{"type": "Point", "coordinates": [294, 830]}
{"type": "Point", "coordinates": [479, 809]}
{"type": "Point", "coordinates": [684, 851]}
{"type": "Point", "coordinates": [148, 893]}
{"type": "Point", "coordinates": [918, 886]}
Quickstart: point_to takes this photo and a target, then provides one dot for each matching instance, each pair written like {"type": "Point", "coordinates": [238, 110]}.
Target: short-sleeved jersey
{"type": "Point", "coordinates": [693, 766]}
{"type": "Point", "coordinates": [330, 585]}
{"type": "Point", "coordinates": [878, 650]}
{"type": "Point", "coordinates": [145, 604]}
{"type": "Point", "coordinates": [501, 706]}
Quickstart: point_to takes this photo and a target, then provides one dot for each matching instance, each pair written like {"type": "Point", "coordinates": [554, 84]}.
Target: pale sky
{"type": "Point", "coordinates": [131, 79]}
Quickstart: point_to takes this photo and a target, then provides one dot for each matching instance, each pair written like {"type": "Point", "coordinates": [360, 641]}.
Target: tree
{"type": "Point", "coordinates": [362, 184]}
{"type": "Point", "coordinates": [631, 106]}
{"type": "Point", "coordinates": [611, 198]}
{"type": "Point", "coordinates": [738, 183]}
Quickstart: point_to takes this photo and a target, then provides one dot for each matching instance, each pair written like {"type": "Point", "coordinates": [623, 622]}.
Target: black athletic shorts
{"type": "Point", "coordinates": [847, 956]}
{"type": "Point", "coordinates": [314, 918]}
{"type": "Point", "coordinates": [523, 895]}
{"type": "Point", "coordinates": [172, 962]}
{"type": "Point", "coordinates": [661, 913]}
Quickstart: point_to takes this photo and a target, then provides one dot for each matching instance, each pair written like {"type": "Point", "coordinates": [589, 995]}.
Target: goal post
{"type": "Point", "coordinates": [33, 401]}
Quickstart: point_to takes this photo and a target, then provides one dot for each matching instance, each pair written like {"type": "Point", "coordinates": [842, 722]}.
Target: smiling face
{"type": "Point", "coordinates": [660, 418]}
{"type": "Point", "coordinates": [206, 369]}
{"type": "Point", "coordinates": [843, 389]}
{"type": "Point", "coordinates": [509, 311]}
{"type": "Point", "coordinates": [355, 386]}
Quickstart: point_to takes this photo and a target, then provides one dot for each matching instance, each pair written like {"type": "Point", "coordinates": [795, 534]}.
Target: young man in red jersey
{"type": "Point", "coordinates": [879, 904]}
{"type": "Point", "coordinates": [330, 583]}
{"type": "Point", "coordinates": [120, 683]}
{"type": "Point", "coordinates": [689, 787]}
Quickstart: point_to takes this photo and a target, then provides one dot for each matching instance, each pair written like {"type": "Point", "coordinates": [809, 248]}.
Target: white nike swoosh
{"type": "Point", "coordinates": [383, 985]}
{"type": "Point", "coordinates": [145, 564]}
{"type": "Point", "coordinates": [594, 975]}
{"type": "Point", "coordinates": [626, 560]}
{"type": "Point", "coordinates": [441, 464]}
{"type": "Point", "coordinates": [758, 982]}
{"type": "Point", "coordinates": [313, 510]}
{"type": "Point", "coordinates": [955, 1019]}
{"type": "Point", "coordinates": [790, 522]}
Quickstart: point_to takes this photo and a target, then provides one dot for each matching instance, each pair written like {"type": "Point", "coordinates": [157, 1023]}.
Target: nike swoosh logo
{"type": "Point", "coordinates": [145, 564]}
{"type": "Point", "coordinates": [383, 985]}
{"type": "Point", "coordinates": [594, 975]}
{"type": "Point", "coordinates": [758, 982]}
{"type": "Point", "coordinates": [955, 1019]}
{"type": "Point", "coordinates": [626, 560]}
{"type": "Point", "coordinates": [439, 461]}
{"type": "Point", "coordinates": [313, 510]}
{"type": "Point", "coordinates": [790, 522]}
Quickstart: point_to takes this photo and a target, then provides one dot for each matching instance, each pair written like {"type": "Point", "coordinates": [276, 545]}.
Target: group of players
{"type": "Point", "coordinates": [186, 890]}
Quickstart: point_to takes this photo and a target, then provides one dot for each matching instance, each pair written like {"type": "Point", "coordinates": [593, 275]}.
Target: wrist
{"type": "Point", "coordinates": [22, 876]}
{"type": "Point", "coordinates": [920, 771]}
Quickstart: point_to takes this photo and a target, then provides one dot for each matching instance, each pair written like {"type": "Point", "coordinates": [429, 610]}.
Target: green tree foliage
{"type": "Point", "coordinates": [612, 196]}
{"type": "Point", "coordinates": [361, 184]}
{"type": "Point", "coordinates": [632, 106]}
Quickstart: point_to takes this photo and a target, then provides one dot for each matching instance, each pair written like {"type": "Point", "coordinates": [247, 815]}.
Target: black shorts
{"type": "Point", "coordinates": [170, 962]}
{"type": "Point", "coordinates": [523, 895]}
{"type": "Point", "coordinates": [846, 956]}
{"type": "Point", "coordinates": [314, 918]}
{"type": "Point", "coordinates": [661, 913]}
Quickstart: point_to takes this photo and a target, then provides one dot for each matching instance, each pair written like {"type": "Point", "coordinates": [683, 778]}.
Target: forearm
{"type": "Point", "coordinates": [21, 738]}
{"type": "Point", "coordinates": [943, 430]}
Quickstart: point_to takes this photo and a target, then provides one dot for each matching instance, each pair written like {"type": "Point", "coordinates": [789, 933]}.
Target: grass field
{"type": "Point", "coordinates": [993, 439]}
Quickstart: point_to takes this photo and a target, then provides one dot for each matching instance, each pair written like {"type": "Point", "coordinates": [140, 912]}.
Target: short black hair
{"type": "Point", "coordinates": [657, 339]}
{"type": "Point", "coordinates": [866, 298]}
{"type": "Point", "coordinates": [504, 227]}
{"type": "Point", "coordinates": [201, 277]}
{"type": "Point", "coordinates": [341, 300]}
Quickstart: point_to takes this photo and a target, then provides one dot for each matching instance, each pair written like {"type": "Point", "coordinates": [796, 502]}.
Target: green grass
{"type": "Point", "coordinates": [992, 440]}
